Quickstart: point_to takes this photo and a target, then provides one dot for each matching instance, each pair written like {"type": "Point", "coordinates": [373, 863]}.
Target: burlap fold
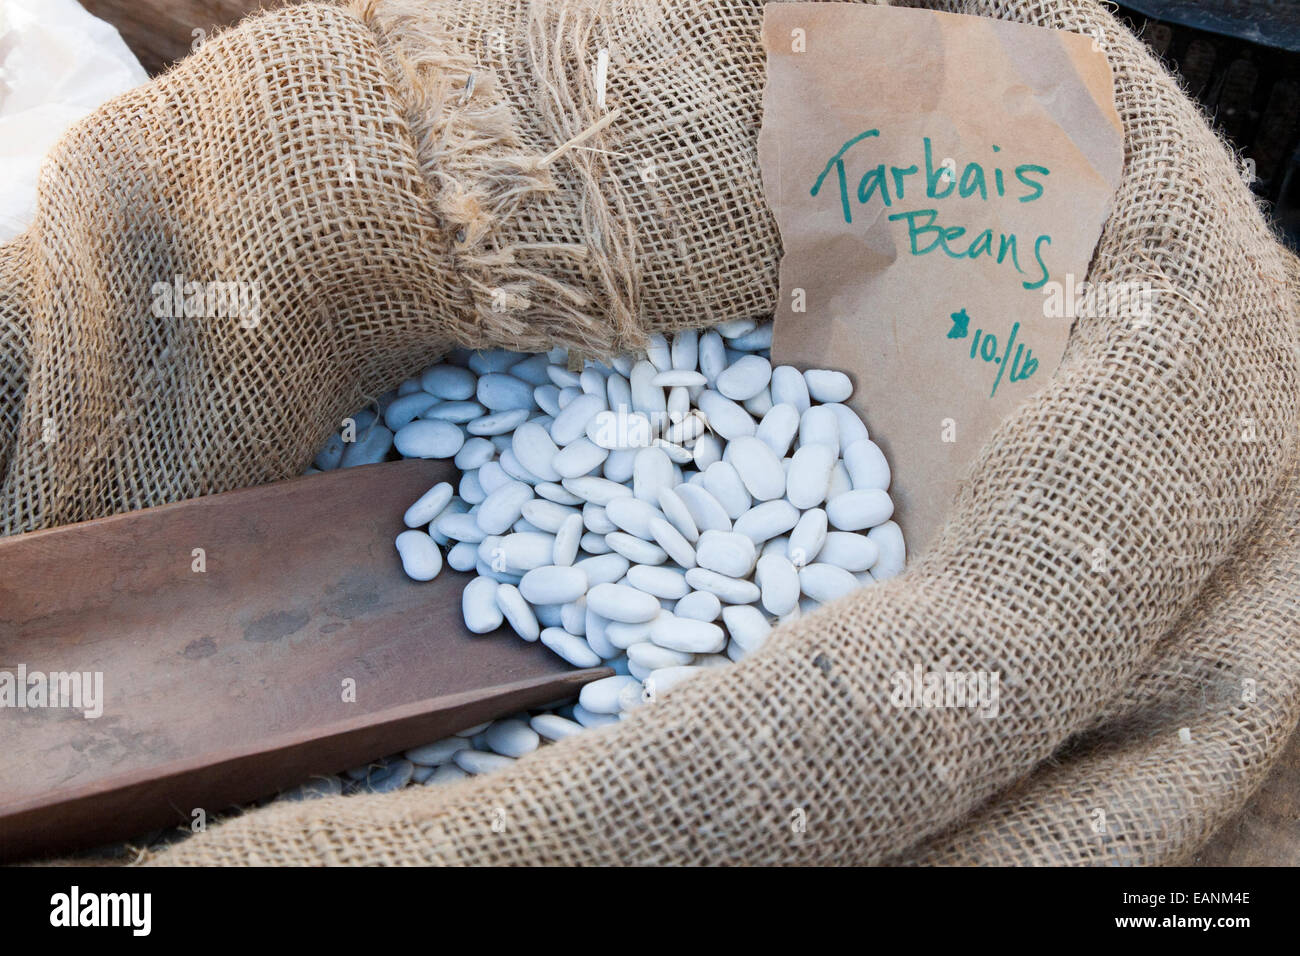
{"type": "Point", "coordinates": [405, 174]}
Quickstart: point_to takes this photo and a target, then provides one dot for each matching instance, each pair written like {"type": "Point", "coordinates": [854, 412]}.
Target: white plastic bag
{"type": "Point", "coordinates": [57, 63]}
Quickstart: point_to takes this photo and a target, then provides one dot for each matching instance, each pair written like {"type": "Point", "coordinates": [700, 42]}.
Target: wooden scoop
{"type": "Point", "coordinates": [246, 641]}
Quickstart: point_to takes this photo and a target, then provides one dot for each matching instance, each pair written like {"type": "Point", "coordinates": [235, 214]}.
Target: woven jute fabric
{"type": "Point", "coordinates": [402, 175]}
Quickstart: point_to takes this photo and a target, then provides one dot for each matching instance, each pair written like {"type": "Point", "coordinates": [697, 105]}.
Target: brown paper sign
{"type": "Point", "coordinates": [934, 177]}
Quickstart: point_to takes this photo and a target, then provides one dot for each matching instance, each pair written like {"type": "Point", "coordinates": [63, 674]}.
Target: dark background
{"type": "Point", "coordinates": [1241, 60]}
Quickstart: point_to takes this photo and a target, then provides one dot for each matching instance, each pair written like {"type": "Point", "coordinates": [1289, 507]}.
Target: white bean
{"type": "Point", "coordinates": [561, 377]}
{"type": "Point", "coordinates": [675, 510]}
{"type": "Point", "coordinates": [596, 493]}
{"type": "Point", "coordinates": [547, 398]}
{"type": "Point", "coordinates": [517, 612]}
{"type": "Point", "coordinates": [808, 538]}
{"type": "Point", "coordinates": [825, 582]}
{"type": "Point", "coordinates": [619, 602]}
{"type": "Point", "coordinates": [685, 634]}
{"type": "Point", "coordinates": [599, 491]}
{"type": "Point", "coordinates": [867, 465]}
{"type": "Point", "coordinates": [888, 537]}
{"type": "Point", "coordinates": [819, 425]}
{"type": "Point", "coordinates": [779, 583]}
{"type": "Point", "coordinates": [480, 761]}
{"type": "Point", "coordinates": [685, 349]}
{"type": "Point", "coordinates": [652, 471]}
{"type": "Point", "coordinates": [571, 423]}
{"type": "Point", "coordinates": [659, 353]}
{"type": "Point", "coordinates": [462, 556]}
{"type": "Point", "coordinates": [568, 540]}
{"type": "Point", "coordinates": [745, 379]}
{"type": "Point", "coordinates": [712, 356]}
{"type": "Point", "coordinates": [699, 606]}
{"type": "Point", "coordinates": [371, 447]}
{"type": "Point", "coordinates": [707, 450]}
{"type": "Point", "coordinates": [623, 636]}
{"type": "Point", "coordinates": [498, 423]}
{"type": "Point", "coordinates": [857, 510]}
{"type": "Point", "coordinates": [500, 392]}
{"type": "Point", "coordinates": [475, 453]}
{"type": "Point", "coordinates": [421, 559]}
{"type": "Point", "coordinates": [438, 752]}
{"type": "Point", "coordinates": [767, 520]}
{"type": "Point", "coordinates": [675, 378]}
{"type": "Point", "coordinates": [662, 582]}
{"type": "Point", "coordinates": [428, 439]}
{"type": "Point", "coordinates": [594, 543]}
{"type": "Point", "coordinates": [827, 385]}
{"type": "Point", "coordinates": [724, 416]}
{"type": "Point", "coordinates": [636, 550]}
{"type": "Point", "coordinates": [428, 505]}
{"type": "Point", "coordinates": [778, 428]}
{"type": "Point", "coordinates": [619, 465]}
{"type": "Point", "coordinates": [470, 490]}
{"type": "Point", "coordinates": [789, 388]}
{"type": "Point", "coordinates": [553, 492]}
{"type": "Point", "coordinates": [460, 526]}
{"type": "Point", "coordinates": [736, 328]}
{"type": "Point", "coordinates": [573, 616]}
{"type": "Point", "coordinates": [547, 515]}
{"type": "Point", "coordinates": [725, 484]}
{"type": "Point", "coordinates": [706, 511]}
{"type": "Point", "coordinates": [449, 382]}
{"type": "Point", "coordinates": [651, 656]}
{"type": "Point", "coordinates": [632, 515]}
{"type": "Point", "coordinates": [662, 680]}
{"type": "Point", "coordinates": [553, 584]}
{"type": "Point", "coordinates": [503, 506]}
{"type": "Point", "coordinates": [524, 551]}
{"type": "Point", "coordinates": [727, 552]}
{"type": "Point", "coordinates": [596, 634]}
{"type": "Point", "coordinates": [647, 397]}
{"type": "Point", "coordinates": [850, 425]}
{"type": "Point", "coordinates": [673, 543]}
{"type": "Point", "coordinates": [755, 340]}
{"type": "Point", "coordinates": [570, 647]}
{"type": "Point", "coordinates": [810, 475]}
{"type": "Point", "coordinates": [479, 606]}
{"type": "Point", "coordinates": [758, 467]}
{"type": "Point", "coordinates": [406, 408]}
{"type": "Point", "coordinates": [492, 476]}
{"type": "Point", "coordinates": [535, 450]}
{"type": "Point", "coordinates": [555, 727]}
{"type": "Point", "coordinates": [580, 457]}
{"type": "Point", "coordinates": [746, 625]}
{"type": "Point", "coordinates": [585, 717]}
{"type": "Point", "coordinates": [849, 550]}
{"type": "Point", "coordinates": [515, 468]}
{"type": "Point", "coordinates": [601, 696]}
{"type": "Point", "coordinates": [484, 361]}
{"type": "Point", "coordinates": [727, 589]}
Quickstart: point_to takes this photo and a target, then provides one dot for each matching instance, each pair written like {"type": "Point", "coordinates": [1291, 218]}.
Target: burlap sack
{"type": "Point", "coordinates": [1123, 552]}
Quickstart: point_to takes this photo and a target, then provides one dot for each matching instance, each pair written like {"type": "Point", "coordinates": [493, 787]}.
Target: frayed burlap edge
{"type": "Point", "coordinates": [480, 173]}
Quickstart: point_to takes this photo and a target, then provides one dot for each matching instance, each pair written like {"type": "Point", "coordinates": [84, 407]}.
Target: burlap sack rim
{"type": "Point", "coordinates": [1285, 452]}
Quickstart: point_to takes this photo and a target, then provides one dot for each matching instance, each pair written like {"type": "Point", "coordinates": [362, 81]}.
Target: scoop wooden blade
{"type": "Point", "coordinates": [246, 641]}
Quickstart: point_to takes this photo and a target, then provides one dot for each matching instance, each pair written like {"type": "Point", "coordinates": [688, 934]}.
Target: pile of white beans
{"type": "Point", "coordinates": [658, 515]}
